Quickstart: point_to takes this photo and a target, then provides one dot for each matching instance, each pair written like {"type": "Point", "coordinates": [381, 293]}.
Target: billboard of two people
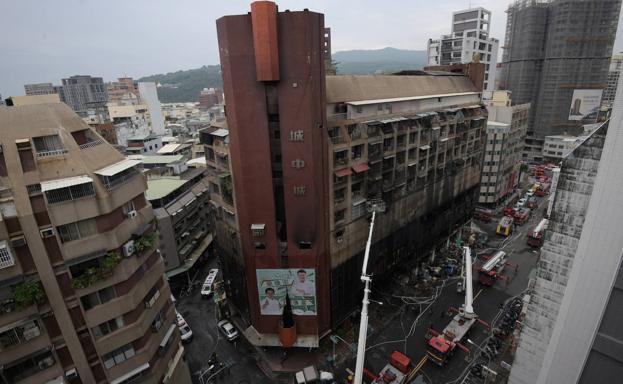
{"type": "Point", "coordinates": [299, 283]}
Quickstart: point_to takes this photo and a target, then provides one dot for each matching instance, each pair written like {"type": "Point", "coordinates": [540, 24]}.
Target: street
{"type": "Point", "coordinates": [200, 314]}
{"type": "Point", "coordinates": [402, 333]}
{"type": "Point", "coordinates": [405, 335]}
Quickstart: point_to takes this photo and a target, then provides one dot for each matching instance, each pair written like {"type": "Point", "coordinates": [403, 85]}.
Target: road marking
{"type": "Point", "coordinates": [475, 297]}
{"type": "Point", "coordinates": [417, 368]}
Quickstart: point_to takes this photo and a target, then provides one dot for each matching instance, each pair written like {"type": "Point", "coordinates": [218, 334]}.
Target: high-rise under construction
{"type": "Point", "coordinates": [557, 52]}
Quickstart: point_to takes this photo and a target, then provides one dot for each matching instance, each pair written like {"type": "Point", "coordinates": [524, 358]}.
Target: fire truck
{"type": "Point", "coordinates": [396, 371]}
{"type": "Point", "coordinates": [442, 345]}
{"type": "Point", "coordinates": [535, 238]}
{"type": "Point", "coordinates": [505, 226]}
{"type": "Point", "coordinates": [492, 269]}
{"type": "Point", "coordinates": [521, 216]}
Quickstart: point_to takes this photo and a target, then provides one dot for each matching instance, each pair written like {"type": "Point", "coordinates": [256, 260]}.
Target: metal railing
{"type": "Point", "coordinates": [55, 152]}
{"type": "Point", "coordinates": [91, 144]}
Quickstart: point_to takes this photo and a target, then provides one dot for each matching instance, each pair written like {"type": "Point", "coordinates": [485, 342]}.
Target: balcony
{"type": "Point", "coordinates": [340, 162]}
{"type": "Point", "coordinates": [337, 140]}
{"type": "Point", "coordinates": [337, 116]}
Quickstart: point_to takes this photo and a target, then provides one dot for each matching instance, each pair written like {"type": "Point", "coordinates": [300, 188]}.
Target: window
{"type": "Point", "coordinates": [96, 298]}
{"type": "Point", "coordinates": [29, 366]}
{"type": "Point", "coordinates": [257, 230]}
{"type": "Point", "coordinates": [357, 151]}
{"type": "Point", "coordinates": [73, 192]}
{"type": "Point", "coordinates": [48, 145]}
{"type": "Point", "coordinates": [259, 245]}
{"type": "Point", "coordinates": [108, 327]}
{"type": "Point", "coordinates": [128, 207]}
{"type": "Point", "coordinates": [151, 297]}
{"type": "Point", "coordinates": [340, 215]}
{"type": "Point", "coordinates": [158, 321]}
{"type": "Point", "coordinates": [6, 258]}
{"type": "Point", "coordinates": [380, 107]}
{"type": "Point", "coordinates": [20, 334]}
{"type": "Point", "coordinates": [77, 230]}
{"type": "Point", "coordinates": [118, 356]}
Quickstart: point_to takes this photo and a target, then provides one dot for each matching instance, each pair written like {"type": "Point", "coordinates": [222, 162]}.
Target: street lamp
{"type": "Point", "coordinates": [374, 207]}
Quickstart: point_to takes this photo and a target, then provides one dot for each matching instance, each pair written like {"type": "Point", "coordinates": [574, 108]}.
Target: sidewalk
{"type": "Point", "coordinates": [276, 365]}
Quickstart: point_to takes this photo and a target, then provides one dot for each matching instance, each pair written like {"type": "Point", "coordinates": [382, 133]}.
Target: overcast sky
{"type": "Point", "coordinates": [44, 41]}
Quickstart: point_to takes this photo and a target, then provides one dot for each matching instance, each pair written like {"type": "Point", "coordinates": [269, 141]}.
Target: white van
{"type": "Point", "coordinates": [208, 285]}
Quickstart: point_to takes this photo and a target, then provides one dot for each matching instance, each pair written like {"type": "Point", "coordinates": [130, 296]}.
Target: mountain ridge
{"type": "Point", "coordinates": [185, 85]}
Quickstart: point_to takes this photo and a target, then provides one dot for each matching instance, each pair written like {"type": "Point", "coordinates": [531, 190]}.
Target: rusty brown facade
{"type": "Point", "coordinates": [307, 152]}
{"type": "Point", "coordinates": [82, 293]}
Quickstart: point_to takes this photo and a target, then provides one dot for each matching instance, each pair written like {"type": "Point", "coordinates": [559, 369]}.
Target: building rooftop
{"type": "Point", "coordinates": [497, 124]}
{"type": "Point", "coordinates": [161, 187]}
{"type": "Point", "coordinates": [170, 148]}
{"type": "Point", "coordinates": [350, 88]}
{"type": "Point", "coordinates": [155, 159]}
{"type": "Point", "coordinates": [147, 137]}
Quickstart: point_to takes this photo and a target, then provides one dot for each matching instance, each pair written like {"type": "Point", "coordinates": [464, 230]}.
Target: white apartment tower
{"type": "Point", "coordinates": [469, 37]}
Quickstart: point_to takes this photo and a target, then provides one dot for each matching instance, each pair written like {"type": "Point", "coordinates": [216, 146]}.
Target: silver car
{"type": "Point", "coordinates": [228, 330]}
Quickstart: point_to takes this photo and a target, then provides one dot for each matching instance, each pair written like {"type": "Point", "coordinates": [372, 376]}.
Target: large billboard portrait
{"type": "Point", "coordinates": [299, 283]}
{"type": "Point", "coordinates": [585, 104]}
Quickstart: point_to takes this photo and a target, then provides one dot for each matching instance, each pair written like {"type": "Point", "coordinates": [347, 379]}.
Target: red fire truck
{"type": "Point", "coordinates": [442, 345]}
{"type": "Point", "coordinates": [491, 270]}
{"type": "Point", "coordinates": [396, 371]}
{"type": "Point", "coordinates": [535, 238]}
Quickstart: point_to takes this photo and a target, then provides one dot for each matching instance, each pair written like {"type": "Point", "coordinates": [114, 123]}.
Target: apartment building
{"type": "Point", "coordinates": [554, 51]}
{"type": "Point", "coordinates": [571, 331]}
{"type": "Point", "coordinates": [183, 214]}
{"type": "Point", "coordinates": [506, 132]}
{"type": "Point", "coordinates": [614, 72]}
{"type": "Point", "coordinates": [557, 147]}
{"type": "Point", "coordinates": [143, 145]}
{"type": "Point", "coordinates": [80, 92]}
{"type": "Point", "coordinates": [301, 145]}
{"type": "Point", "coordinates": [83, 296]}
{"type": "Point", "coordinates": [468, 42]}
{"type": "Point", "coordinates": [44, 89]}
{"type": "Point", "coordinates": [129, 121]}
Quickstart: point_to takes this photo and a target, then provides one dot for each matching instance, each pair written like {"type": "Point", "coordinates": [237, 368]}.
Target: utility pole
{"type": "Point", "coordinates": [366, 279]}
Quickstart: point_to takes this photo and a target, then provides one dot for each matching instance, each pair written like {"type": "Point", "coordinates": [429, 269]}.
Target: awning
{"type": "Point", "coordinates": [258, 226]}
{"type": "Point", "coordinates": [358, 200]}
{"type": "Point", "coordinates": [192, 259]}
{"type": "Point", "coordinates": [425, 147]}
{"type": "Point", "coordinates": [167, 336]}
{"type": "Point", "coordinates": [121, 166]}
{"type": "Point", "coordinates": [64, 183]}
{"type": "Point", "coordinates": [343, 172]}
{"type": "Point", "coordinates": [133, 372]}
{"type": "Point", "coordinates": [220, 132]}
{"type": "Point", "coordinates": [358, 168]}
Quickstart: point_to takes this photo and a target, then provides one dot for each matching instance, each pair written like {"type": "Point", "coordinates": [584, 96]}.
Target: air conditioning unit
{"type": "Point", "coordinates": [131, 214]}
{"type": "Point", "coordinates": [71, 374]}
{"type": "Point", "coordinates": [47, 232]}
{"type": "Point", "coordinates": [17, 242]}
{"type": "Point", "coordinates": [128, 248]}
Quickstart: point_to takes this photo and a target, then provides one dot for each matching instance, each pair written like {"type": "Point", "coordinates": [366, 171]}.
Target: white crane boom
{"type": "Point", "coordinates": [363, 323]}
{"type": "Point", "coordinates": [469, 293]}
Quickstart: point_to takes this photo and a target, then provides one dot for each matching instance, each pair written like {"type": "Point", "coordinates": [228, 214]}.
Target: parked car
{"type": "Point", "coordinates": [180, 320]}
{"type": "Point", "coordinates": [208, 285]}
{"type": "Point", "coordinates": [228, 330]}
{"type": "Point", "coordinates": [186, 333]}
